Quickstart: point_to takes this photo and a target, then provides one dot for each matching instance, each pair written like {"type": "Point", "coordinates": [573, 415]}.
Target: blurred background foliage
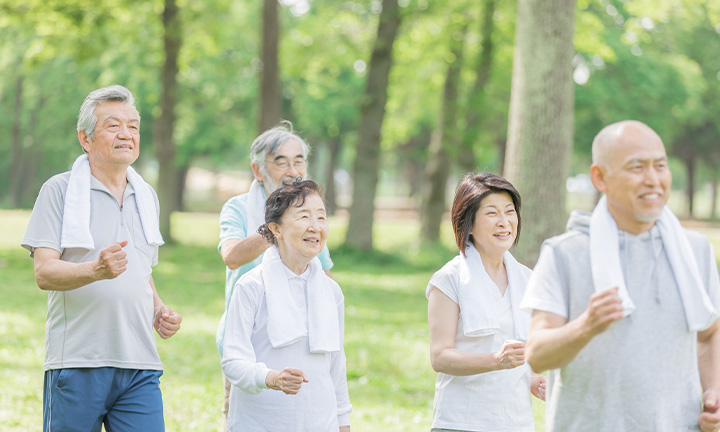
{"type": "Point", "coordinates": [656, 61]}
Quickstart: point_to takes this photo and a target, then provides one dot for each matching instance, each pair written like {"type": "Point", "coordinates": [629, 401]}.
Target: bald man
{"type": "Point", "coordinates": [625, 304]}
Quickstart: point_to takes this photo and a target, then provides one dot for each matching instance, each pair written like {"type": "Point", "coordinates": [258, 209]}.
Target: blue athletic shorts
{"type": "Point", "coordinates": [82, 399]}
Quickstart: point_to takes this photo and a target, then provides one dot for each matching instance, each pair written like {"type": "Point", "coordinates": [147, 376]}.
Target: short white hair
{"type": "Point", "coordinates": [87, 118]}
{"type": "Point", "coordinates": [270, 141]}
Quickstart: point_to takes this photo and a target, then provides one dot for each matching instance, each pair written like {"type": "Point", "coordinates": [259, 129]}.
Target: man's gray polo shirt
{"type": "Point", "coordinates": [107, 323]}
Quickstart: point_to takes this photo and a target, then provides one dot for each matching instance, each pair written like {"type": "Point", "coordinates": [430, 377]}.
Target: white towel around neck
{"type": "Point", "coordinates": [285, 325]}
{"type": "Point", "coordinates": [255, 207]}
{"type": "Point", "coordinates": [76, 211]}
{"type": "Point", "coordinates": [607, 270]}
{"type": "Point", "coordinates": [480, 316]}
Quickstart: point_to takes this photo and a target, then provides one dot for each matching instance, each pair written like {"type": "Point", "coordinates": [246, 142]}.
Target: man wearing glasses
{"type": "Point", "coordinates": [277, 156]}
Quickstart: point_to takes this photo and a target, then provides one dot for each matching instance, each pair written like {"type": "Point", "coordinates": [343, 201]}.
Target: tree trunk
{"type": "Point", "coordinates": [415, 157]}
{"type": "Point", "coordinates": [314, 170]}
{"type": "Point", "coordinates": [690, 166]}
{"type": "Point", "coordinates": [30, 158]}
{"type": "Point", "coordinates": [330, 189]}
{"type": "Point", "coordinates": [33, 160]}
{"type": "Point", "coordinates": [433, 199]}
{"type": "Point", "coordinates": [27, 193]}
{"type": "Point", "coordinates": [269, 76]}
{"type": "Point", "coordinates": [501, 144]}
{"type": "Point", "coordinates": [165, 149]}
{"type": "Point", "coordinates": [372, 111]}
{"type": "Point", "coordinates": [16, 153]}
{"type": "Point", "coordinates": [540, 127]}
{"type": "Point", "coordinates": [182, 173]}
{"type": "Point", "coordinates": [446, 139]}
{"type": "Point", "coordinates": [475, 106]}
{"type": "Point", "coordinates": [714, 197]}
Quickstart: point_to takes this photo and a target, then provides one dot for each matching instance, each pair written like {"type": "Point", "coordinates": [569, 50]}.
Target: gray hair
{"type": "Point", "coordinates": [270, 141]}
{"type": "Point", "coordinates": [116, 93]}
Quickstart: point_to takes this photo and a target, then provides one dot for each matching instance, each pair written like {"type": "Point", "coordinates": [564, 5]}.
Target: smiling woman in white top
{"type": "Point", "coordinates": [283, 348]}
{"type": "Point", "coordinates": [477, 331]}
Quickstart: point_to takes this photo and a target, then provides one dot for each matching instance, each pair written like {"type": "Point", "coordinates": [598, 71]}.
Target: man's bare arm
{"type": "Point", "coordinates": [166, 321]}
{"type": "Point", "coordinates": [554, 342]}
{"type": "Point", "coordinates": [238, 252]}
{"type": "Point", "coordinates": [709, 357]}
{"type": "Point", "coordinates": [709, 367]}
{"type": "Point", "coordinates": [51, 273]}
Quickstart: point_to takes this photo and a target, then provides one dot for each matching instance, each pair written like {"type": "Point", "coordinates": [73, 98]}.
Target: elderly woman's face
{"type": "Point", "coordinates": [304, 229]}
{"type": "Point", "coordinates": [495, 226]}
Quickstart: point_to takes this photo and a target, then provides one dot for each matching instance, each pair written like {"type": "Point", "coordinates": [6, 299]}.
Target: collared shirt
{"type": "Point", "coordinates": [107, 323]}
{"type": "Point", "coordinates": [298, 291]}
{"type": "Point", "coordinates": [323, 404]}
{"type": "Point", "coordinates": [233, 225]}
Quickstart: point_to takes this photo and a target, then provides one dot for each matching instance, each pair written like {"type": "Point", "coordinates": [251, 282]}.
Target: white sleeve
{"type": "Point", "coordinates": [545, 291]}
{"type": "Point", "coordinates": [446, 280]}
{"type": "Point", "coordinates": [338, 373]}
{"type": "Point", "coordinates": [239, 363]}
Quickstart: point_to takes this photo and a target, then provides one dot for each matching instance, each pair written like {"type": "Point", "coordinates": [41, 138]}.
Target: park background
{"type": "Point", "coordinates": [398, 99]}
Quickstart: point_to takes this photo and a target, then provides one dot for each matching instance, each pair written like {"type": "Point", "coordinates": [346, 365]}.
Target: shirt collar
{"type": "Point", "coordinates": [291, 275]}
{"type": "Point", "coordinates": [97, 185]}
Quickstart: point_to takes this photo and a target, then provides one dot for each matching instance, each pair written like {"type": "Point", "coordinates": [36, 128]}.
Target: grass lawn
{"type": "Point", "coordinates": [386, 341]}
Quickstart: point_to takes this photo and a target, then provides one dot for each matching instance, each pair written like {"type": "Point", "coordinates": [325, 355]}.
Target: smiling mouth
{"type": "Point", "coordinates": [124, 146]}
{"type": "Point", "coordinates": [503, 236]}
{"type": "Point", "coordinates": [312, 241]}
{"type": "Point", "coordinates": [650, 196]}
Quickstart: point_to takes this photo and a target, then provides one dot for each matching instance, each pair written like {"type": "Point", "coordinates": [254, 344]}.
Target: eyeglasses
{"type": "Point", "coordinates": [284, 164]}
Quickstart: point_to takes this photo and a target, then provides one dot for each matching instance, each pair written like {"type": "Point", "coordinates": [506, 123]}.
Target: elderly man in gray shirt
{"type": "Point", "coordinates": [625, 304]}
{"type": "Point", "coordinates": [94, 237]}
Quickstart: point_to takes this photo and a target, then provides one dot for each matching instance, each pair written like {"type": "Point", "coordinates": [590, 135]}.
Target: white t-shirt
{"type": "Point", "coordinates": [491, 401]}
{"type": "Point", "coordinates": [108, 323]}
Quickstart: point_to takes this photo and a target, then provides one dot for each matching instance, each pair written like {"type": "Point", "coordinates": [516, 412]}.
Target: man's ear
{"type": "Point", "coordinates": [256, 172]}
{"type": "Point", "coordinates": [597, 176]}
{"type": "Point", "coordinates": [84, 140]}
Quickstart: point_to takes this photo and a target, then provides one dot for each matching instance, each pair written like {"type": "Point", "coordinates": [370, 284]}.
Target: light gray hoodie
{"type": "Point", "coordinates": [641, 374]}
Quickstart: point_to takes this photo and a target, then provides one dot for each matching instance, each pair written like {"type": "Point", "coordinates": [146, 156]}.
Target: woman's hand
{"type": "Point", "coordinates": [537, 386]}
{"type": "Point", "coordinates": [511, 355]}
{"type": "Point", "coordinates": [288, 380]}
